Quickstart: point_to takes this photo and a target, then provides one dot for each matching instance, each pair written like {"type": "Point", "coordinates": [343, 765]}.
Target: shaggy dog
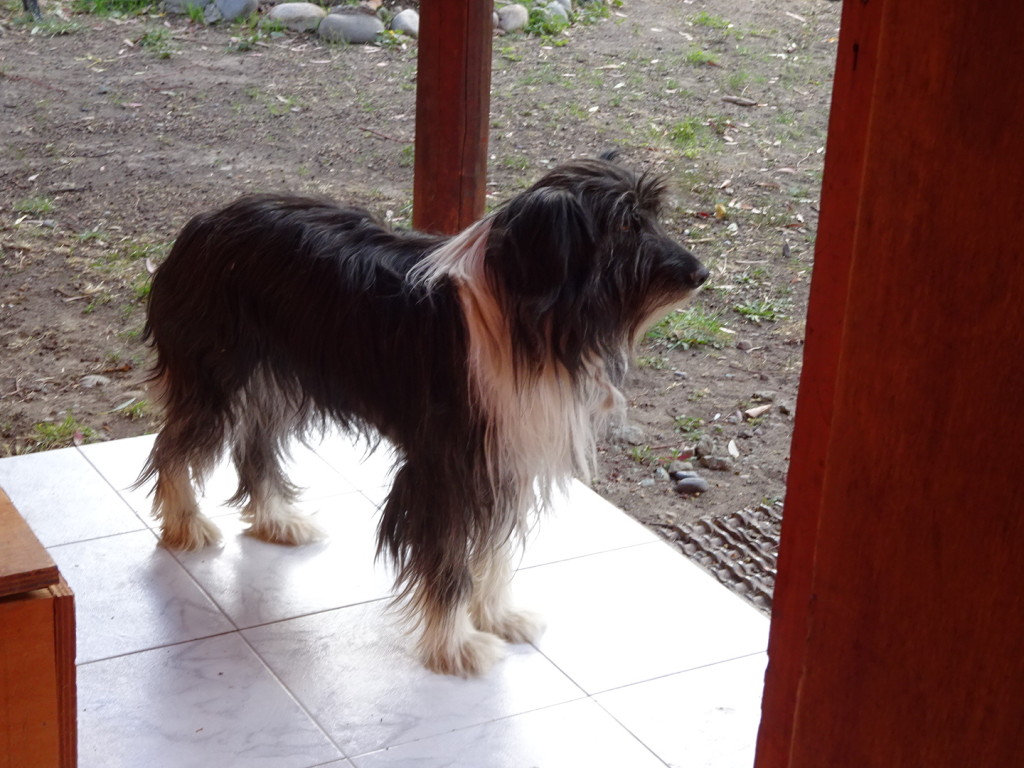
{"type": "Point", "coordinates": [491, 361]}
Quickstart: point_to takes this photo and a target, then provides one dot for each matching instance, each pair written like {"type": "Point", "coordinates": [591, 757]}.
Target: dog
{"type": "Point", "coordinates": [491, 361]}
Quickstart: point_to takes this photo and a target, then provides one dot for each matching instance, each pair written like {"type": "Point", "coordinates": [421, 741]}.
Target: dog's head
{"type": "Point", "coordinates": [581, 263]}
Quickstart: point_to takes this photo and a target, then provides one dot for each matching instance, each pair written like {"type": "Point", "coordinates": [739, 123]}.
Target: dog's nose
{"type": "Point", "coordinates": [699, 276]}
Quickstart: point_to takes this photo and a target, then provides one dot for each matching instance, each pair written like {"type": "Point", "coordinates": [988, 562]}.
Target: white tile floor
{"type": "Point", "coordinates": [258, 655]}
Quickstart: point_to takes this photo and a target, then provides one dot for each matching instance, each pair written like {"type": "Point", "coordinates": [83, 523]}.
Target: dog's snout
{"type": "Point", "coordinates": [699, 276]}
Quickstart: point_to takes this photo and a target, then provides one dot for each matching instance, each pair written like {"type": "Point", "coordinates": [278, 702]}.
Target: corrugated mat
{"type": "Point", "coordinates": [739, 549]}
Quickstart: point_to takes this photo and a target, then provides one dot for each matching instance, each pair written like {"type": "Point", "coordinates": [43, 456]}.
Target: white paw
{"type": "Point", "coordinates": [188, 532]}
{"type": "Point", "coordinates": [291, 529]}
{"type": "Point", "coordinates": [516, 626]}
{"type": "Point", "coordinates": [470, 656]}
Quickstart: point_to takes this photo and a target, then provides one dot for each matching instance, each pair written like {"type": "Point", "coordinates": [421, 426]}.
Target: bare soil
{"type": "Point", "coordinates": [118, 130]}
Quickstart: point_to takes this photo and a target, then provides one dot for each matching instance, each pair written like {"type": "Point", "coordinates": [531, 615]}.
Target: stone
{"type": "Point", "coordinates": [567, 4]}
{"type": "Point", "coordinates": [513, 17]}
{"type": "Point", "coordinates": [236, 9]}
{"type": "Point", "coordinates": [352, 28]}
{"type": "Point", "coordinates": [678, 467]}
{"type": "Point", "coordinates": [628, 433]}
{"type": "Point", "coordinates": [556, 9]}
{"type": "Point", "coordinates": [94, 380]}
{"type": "Point", "coordinates": [705, 447]}
{"type": "Point", "coordinates": [298, 17]}
{"type": "Point", "coordinates": [407, 22]}
{"type": "Point", "coordinates": [660, 473]}
{"type": "Point", "coordinates": [691, 486]}
{"type": "Point", "coordinates": [717, 463]}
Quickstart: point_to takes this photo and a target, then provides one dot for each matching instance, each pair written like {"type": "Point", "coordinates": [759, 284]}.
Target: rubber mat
{"type": "Point", "coordinates": [739, 549]}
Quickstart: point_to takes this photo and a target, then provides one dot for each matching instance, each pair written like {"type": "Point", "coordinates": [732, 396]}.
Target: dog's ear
{"type": "Point", "coordinates": [543, 245]}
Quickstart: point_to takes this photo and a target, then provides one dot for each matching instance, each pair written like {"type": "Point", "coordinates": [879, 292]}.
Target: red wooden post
{"type": "Point", "coordinates": [452, 114]}
{"type": "Point", "coordinates": [896, 640]}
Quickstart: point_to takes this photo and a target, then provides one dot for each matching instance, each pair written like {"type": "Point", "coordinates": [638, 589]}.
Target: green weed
{"type": "Point", "coordinates": [688, 328]}
{"type": "Point", "coordinates": [48, 434]}
{"type": "Point", "coordinates": [34, 205]}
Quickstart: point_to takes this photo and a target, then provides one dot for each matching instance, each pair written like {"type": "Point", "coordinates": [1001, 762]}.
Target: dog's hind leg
{"type": "Point", "coordinates": [264, 425]}
{"type": "Point", "coordinates": [491, 606]}
{"type": "Point", "coordinates": [184, 451]}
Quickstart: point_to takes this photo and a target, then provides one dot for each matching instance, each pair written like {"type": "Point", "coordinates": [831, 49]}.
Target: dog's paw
{"type": "Point", "coordinates": [189, 533]}
{"type": "Point", "coordinates": [470, 656]}
{"type": "Point", "coordinates": [291, 529]}
{"type": "Point", "coordinates": [516, 626]}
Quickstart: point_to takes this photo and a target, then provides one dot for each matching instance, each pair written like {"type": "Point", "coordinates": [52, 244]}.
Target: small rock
{"type": "Point", "coordinates": [743, 346]}
{"type": "Point", "coordinates": [678, 467]}
{"type": "Point", "coordinates": [691, 486]}
{"type": "Point", "coordinates": [513, 17]}
{"type": "Point", "coordinates": [236, 9]}
{"type": "Point", "coordinates": [94, 380]}
{"type": "Point", "coordinates": [407, 22]}
{"type": "Point", "coordinates": [567, 4]}
{"type": "Point", "coordinates": [735, 417]}
{"type": "Point", "coordinates": [764, 396]}
{"type": "Point", "coordinates": [716, 463]}
{"type": "Point", "coordinates": [647, 482]}
{"type": "Point", "coordinates": [556, 9]}
{"type": "Point", "coordinates": [785, 409]}
{"type": "Point", "coordinates": [705, 447]}
{"type": "Point", "coordinates": [628, 433]}
{"type": "Point", "coordinates": [352, 28]}
{"type": "Point", "coordinates": [660, 474]}
{"type": "Point", "coordinates": [212, 14]}
{"type": "Point", "coordinates": [298, 17]}
{"type": "Point", "coordinates": [681, 375]}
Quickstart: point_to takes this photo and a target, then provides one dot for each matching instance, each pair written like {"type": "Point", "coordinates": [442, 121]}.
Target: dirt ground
{"type": "Point", "coordinates": [115, 130]}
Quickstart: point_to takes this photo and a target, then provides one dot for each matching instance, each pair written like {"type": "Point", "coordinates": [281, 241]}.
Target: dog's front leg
{"type": "Point", "coordinates": [491, 606]}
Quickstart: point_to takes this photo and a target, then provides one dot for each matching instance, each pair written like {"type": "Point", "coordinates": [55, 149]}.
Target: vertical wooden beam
{"type": "Point", "coordinates": [900, 615]}
{"type": "Point", "coordinates": [452, 114]}
{"type": "Point", "coordinates": [840, 198]}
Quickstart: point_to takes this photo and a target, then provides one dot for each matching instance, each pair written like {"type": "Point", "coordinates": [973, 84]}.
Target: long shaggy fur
{"type": "Point", "coordinates": [490, 360]}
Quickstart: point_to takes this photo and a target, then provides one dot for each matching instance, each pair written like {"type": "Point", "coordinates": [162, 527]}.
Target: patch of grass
{"type": "Point", "coordinates": [765, 309]}
{"type": "Point", "coordinates": [688, 328]}
{"type": "Point", "coordinates": [157, 41]}
{"type": "Point", "coordinates": [699, 58]}
{"type": "Point", "coordinates": [654, 362]}
{"type": "Point", "coordinates": [705, 19]}
{"type": "Point", "coordinates": [689, 136]}
{"type": "Point", "coordinates": [133, 410]}
{"type": "Point", "coordinates": [49, 434]}
{"type": "Point", "coordinates": [642, 454]}
{"type": "Point", "coordinates": [690, 426]}
{"type": "Point", "coordinates": [34, 205]}
{"type": "Point", "coordinates": [111, 7]}
{"type": "Point", "coordinates": [53, 26]}
{"type": "Point", "coordinates": [545, 23]}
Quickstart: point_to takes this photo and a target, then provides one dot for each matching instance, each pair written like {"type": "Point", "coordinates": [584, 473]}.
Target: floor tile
{"type": "Point", "coordinates": [196, 705]}
{"type": "Point", "coordinates": [354, 669]}
{"type": "Point", "coordinates": [580, 523]}
{"type": "Point", "coordinates": [704, 718]}
{"type": "Point", "coordinates": [634, 614]}
{"type": "Point", "coordinates": [573, 734]}
{"type": "Point", "coordinates": [131, 595]}
{"type": "Point", "coordinates": [254, 582]}
{"type": "Point", "coordinates": [366, 468]}
{"type": "Point", "coordinates": [63, 498]}
{"type": "Point", "coordinates": [121, 462]}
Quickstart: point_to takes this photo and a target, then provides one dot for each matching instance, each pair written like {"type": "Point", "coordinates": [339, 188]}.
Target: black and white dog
{"type": "Point", "coordinates": [491, 361]}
